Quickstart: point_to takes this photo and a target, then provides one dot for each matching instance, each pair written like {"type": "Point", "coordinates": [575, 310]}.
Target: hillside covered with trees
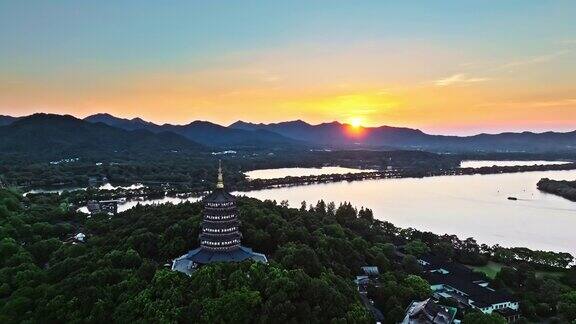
{"type": "Point", "coordinates": [121, 272]}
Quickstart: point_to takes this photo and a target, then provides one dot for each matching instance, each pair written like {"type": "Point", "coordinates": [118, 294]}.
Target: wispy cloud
{"type": "Point", "coordinates": [458, 79]}
{"type": "Point", "coordinates": [534, 60]}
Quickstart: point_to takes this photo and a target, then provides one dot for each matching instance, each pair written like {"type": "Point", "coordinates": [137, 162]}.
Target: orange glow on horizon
{"type": "Point", "coordinates": [356, 122]}
{"type": "Point", "coordinates": [306, 89]}
{"type": "Point", "coordinates": [354, 130]}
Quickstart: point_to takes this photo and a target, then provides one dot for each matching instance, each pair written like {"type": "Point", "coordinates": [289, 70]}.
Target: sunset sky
{"type": "Point", "coordinates": [446, 67]}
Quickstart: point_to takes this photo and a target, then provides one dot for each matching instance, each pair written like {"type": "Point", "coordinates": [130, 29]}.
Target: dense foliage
{"type": "Point", "coordinates": [481, 318]}
{"type": "Point", "coordinates": [190, 172]}
{"type": "Point", "coordinates": [122, 272]}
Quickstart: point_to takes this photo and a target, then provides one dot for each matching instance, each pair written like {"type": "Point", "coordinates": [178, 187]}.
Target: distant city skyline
{"type": "Point", "coordinates": [445, 67]}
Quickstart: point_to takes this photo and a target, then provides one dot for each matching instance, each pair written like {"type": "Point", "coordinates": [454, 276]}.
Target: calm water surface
{"type": "Point", "coordinates": [487, 163]}
{"type": "Point", "coordinates": [300, 172]}
{"type": "Point", "coordinates": [468, 206]}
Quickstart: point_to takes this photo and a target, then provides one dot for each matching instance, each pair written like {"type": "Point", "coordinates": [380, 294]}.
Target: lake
{"type": "Point", "coordinates": [487, 163]}
{"type": "Point", "coordinates": [109, 186]}
{"type": "Point", "coordinates": [468, 206]}
{"type": "Point", "coordinates": [300, 172]}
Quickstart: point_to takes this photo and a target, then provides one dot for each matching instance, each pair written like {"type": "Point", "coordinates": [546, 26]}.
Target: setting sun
{"type": "Point", "coordinates": [355, 127]}
{"type": "Point", "coordinates": [356, 122]}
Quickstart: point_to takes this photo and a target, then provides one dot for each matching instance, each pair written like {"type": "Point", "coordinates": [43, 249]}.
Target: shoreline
{"type": "Point", "coordinates": [182, 198]}
{"type": "Point", "coordinates": [263, 184]}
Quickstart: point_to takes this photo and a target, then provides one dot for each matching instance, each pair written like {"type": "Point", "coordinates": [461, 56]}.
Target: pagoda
{"type": "Point", "coordinates": [220, 240]}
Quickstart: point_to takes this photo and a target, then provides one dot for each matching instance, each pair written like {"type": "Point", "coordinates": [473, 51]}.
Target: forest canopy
{"type": "Point", "coordinates": [122, 271]}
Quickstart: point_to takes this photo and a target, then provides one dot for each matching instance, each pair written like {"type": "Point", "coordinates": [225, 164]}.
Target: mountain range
{"type": "Point", "coordinates": [44, 136]}
{"type": "Point", "coordinates": [202, 134]}
{"type": "Point", "coordinates": [335, 134]}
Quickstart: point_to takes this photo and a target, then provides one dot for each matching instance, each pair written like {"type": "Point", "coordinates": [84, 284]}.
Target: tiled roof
{"type": "Point", "coordinates": [463, 279]}
{"type": "Point", "coordinates": [428, 312]}
{"type": "Point", "coordinates": [219, 196]}
{"type": "Point", "coordinates": [371, 270]}
{"type": "Point", "coordinates": [482, 296]}
{"type": "Point", "coordinates": [203, 256]}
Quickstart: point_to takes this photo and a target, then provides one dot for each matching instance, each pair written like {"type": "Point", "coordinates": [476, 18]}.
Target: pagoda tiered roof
{"type": "Point", "coordinates": [220, 240]}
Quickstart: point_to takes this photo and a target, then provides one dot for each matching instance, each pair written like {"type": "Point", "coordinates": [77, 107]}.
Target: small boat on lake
{"type": "Point", "coordinates": [512, 198]}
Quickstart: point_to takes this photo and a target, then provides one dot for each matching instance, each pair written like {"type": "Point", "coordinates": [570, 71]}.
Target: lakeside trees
{"type": "Point", "coordinates": [566, 189]}
{"type": "Point", "coordinates": [191, 171]}
{"type": "Point", "coordinates": [542, 258]}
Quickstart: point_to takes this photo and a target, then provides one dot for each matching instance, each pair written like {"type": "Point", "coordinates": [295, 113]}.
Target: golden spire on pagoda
{"type": "Point", "coordinates": [220, 183]}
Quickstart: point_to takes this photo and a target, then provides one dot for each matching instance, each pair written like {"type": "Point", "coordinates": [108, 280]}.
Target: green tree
{"type": "Point", "coordinates": [237, 306]}
{"type": "Point", "coordinates": [416, 248]}
{"type": "Point", "coordinates": [444, 250]}
{"type": "Point", "coordinates": [420, 287]}
{"type": "Point", "coordinates": [481, 318]}
{"type": "Point", "coordinates": [567, 306]}
{"type": "Point", "coordinates": [299, 256]}
{"type": "Point", "coordinates": [410, 264]}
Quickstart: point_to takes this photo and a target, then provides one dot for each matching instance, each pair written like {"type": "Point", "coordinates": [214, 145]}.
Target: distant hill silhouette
{"type": "Point", "coordinates": [127, 124]}
{"type": "Point", "coordinates": [45, 136]}
{"type": "Point", "coordinates": [203, 132]}
{"type": "Point", "coordinates": [7, 120]}
{"type": "Point", "coordinates": [384, 136]}
{"type": "Point", "coordinates": [337, 135]}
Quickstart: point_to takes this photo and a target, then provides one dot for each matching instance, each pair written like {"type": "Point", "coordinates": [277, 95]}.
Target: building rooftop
{"type": "Point", "coordinates": [433, 262]}
{"type": "Point", "coordinates": [428, 312]}
{"type": "Point", "coordinates": [219, 195]}
{"type": "Point", "coordinates": [481, 296]}
{"type": "Point", "coordinates": [441, 272]}
{"type": "Point", "coordinates": [371, 271]}
{"type": "Point", "coordinates": [199, 256]}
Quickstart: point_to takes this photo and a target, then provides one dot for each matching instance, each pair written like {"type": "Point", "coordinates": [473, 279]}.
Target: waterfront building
{"type": "Point", "coordinates": [220, 239]}
{"type": "Point", "coordinates": [452, 280]}
{"type": "Point", "coordinates": [109, 207]}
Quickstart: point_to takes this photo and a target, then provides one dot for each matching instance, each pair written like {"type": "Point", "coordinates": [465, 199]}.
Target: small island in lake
{"type": "Point", "coordinates": [562, 188]}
